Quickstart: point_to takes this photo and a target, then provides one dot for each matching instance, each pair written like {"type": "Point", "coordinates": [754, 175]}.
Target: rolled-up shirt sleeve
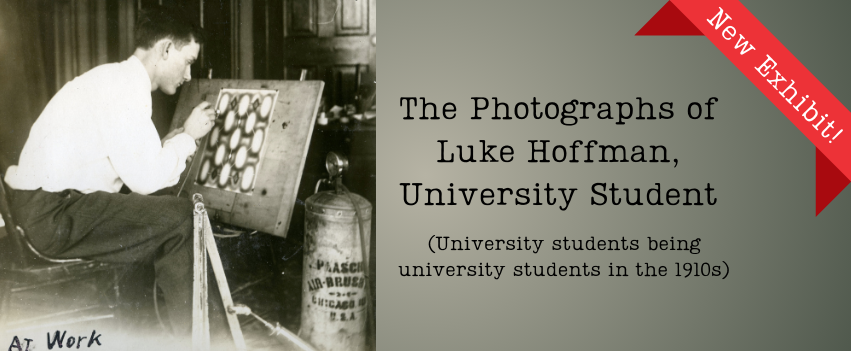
{"type": "Point", "coordinates": [137, 155]}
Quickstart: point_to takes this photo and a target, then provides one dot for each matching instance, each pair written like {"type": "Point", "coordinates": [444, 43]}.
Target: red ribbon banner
{"type": "Point", "coordinates": [775, 72]}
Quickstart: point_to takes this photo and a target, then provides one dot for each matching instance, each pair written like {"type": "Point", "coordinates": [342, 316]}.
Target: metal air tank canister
{"type": "Point", "coordinates": [335, 297]}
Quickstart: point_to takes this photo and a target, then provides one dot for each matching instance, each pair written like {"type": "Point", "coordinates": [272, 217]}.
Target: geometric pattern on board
{"type": "Point", "coordinates": [233, 152]}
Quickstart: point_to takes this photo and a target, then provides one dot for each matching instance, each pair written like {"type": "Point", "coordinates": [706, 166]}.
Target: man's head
{"type": "Point", "coordinates": [172, 42]}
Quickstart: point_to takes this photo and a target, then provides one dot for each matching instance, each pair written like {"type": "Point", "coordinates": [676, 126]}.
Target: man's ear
{"type": "Point", "coordinates": [165, 48]}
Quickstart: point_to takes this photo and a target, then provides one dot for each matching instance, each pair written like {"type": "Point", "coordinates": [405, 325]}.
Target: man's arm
{"type": "Point", "coordinates": [171, 134]}
{"type": "Point", "coordinates": [141, 161]}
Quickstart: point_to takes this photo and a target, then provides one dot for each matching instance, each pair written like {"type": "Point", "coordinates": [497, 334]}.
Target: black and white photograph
{"type": "Point", "coordinates": [188, 174]}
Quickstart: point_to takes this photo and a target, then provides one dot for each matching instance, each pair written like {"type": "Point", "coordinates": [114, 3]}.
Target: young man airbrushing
{"type": "Point", "coordinates": [96, 135]}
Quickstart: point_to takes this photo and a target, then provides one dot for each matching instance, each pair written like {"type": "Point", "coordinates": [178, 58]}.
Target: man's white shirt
{"type": "Point", "coordinates": [96, 134]}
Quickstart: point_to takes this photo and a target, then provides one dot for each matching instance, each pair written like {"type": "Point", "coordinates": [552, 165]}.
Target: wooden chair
{"type": "Point", "coordinates": [26, 277]}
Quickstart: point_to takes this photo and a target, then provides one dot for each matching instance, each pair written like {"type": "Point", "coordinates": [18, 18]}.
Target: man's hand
{"type": "Point", "coordinates": [200, 121]}
{"type": "Point", "coordinates": [172, 134]}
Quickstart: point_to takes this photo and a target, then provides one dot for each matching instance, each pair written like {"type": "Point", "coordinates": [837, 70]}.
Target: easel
{"type": "Point", "coordinates": [204, 245]}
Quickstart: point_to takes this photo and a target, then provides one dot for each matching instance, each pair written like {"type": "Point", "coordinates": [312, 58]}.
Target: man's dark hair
{"type": "Point", "coordinates": [161, 22]}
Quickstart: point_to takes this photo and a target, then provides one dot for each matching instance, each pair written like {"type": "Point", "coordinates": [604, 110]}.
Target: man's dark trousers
{"type": "Point", "coordinates": [119, 228]}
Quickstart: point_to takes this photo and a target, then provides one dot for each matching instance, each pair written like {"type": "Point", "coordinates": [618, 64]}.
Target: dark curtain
{"type": "Point", "coordinates": [23, 88]}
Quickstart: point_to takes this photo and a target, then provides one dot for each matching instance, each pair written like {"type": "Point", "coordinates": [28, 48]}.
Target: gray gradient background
{"type": "Point", "coordinates": [789, 284]}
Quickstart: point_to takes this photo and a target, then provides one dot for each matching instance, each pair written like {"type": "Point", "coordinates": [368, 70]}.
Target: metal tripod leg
{"type": "Point", "coordinates": [205, 245]}
{"type": "Point", "coordinates": [224, 290]}
{"type": "Point", "coordinates": [200, 316]}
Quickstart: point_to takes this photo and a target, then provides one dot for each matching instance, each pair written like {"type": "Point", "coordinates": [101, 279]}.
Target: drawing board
{"type": "Point", "coordinates": [249, 166]}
